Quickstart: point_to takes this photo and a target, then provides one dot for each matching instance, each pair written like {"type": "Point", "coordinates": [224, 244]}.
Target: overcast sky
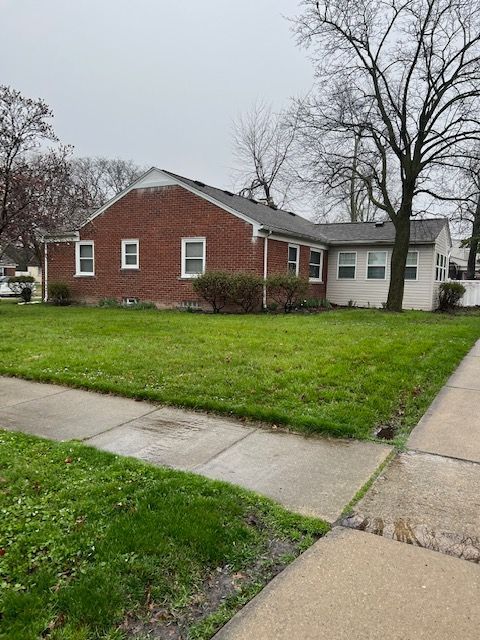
{"type": "Point", "coordinates": [155, 81]}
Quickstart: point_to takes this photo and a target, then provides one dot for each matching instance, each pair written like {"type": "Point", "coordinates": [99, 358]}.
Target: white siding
{"type": "Point", "coordinates": [442, 246]}
{"type": "Point", "coordinates": [373, 293]}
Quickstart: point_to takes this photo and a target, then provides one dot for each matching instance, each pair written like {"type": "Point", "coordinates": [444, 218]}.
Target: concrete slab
{"type": "Point", "coordinates": [72, 415]}
{"type": "Point", "coordinates": [467, 376]}
{"type": "Point", "coordinates": [476, 350]}
{"type": "Point", "coordinates": [173, 437]}
{"type": "Point", "coordinates": [428, 501]}
{"type": "Point", "coordinates": [451, 426]}
{"type": "Point", "coordinates": [308, 475]}
{"type": "Point", "coordinates": [14, 391]}
{"type": "Point", "coordinates": [354, 585]}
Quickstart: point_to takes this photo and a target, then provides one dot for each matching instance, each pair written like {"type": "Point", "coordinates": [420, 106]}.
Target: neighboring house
{"type": "Point", "coordinates": [459, 261]}
{"type": "Point", "coordinates": [151, 240]}
{"type": "Point", "coordinates": [7, 266]}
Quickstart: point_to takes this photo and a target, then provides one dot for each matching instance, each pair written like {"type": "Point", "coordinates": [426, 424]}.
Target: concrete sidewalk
{"type": "Point", "coordinates": [313, 476]}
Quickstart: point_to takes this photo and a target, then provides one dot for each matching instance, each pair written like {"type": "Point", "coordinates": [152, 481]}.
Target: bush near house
{"type": "Point", "coordinates": [22, 286]}
{"type": "Point", "coordinates": [449, 295]}
{"type": "Point", "coordinates": [247, 289]}
{"type": "Point", "coordinates": [215, 287]}
{"type": "Point", "coordinates": [59, 294]}
{"type": "Point", "coordinates": [287, 290]}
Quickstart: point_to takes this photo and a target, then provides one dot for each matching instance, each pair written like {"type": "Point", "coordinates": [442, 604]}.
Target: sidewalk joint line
{"type": "Point", "coordinates": [117, 426]}
{"type": "Point", "coordinates": [219, 453]}
{"type": "Point", "coordinates": [442, 455]}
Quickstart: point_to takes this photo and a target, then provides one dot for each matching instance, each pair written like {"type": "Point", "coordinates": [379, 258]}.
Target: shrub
{"type": "Point", "coordinates": [215, 287]}
{"type": "Point", "coordinates": [287, 290]}
{"type": "Point", "coordinates": [140, 306]}
{"type": "Point", "coordinates": [246, 291]}
{"type": "Point", "coordinates": [59, 294]}
{"type": "Point", "coordinates": [449, 295]}
{"type": "Point", "coordinates": [22, 286]}
{"type": "Point", "coordinates": [108, 303]}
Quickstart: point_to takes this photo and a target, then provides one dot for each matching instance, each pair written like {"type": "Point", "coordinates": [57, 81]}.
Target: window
{"type": "Point", "coordinates": [411, 268]}
{"type": "Point", "coordinates": [347, 265]}
{"type": "Point", "coordinates": [130, 257]}
{"type": "Point", "coordinates": [315, 266]}
{"type": "Point", "coordinates": [376, 265]}
{"type": "Point", "coordinates": [441, 268]}
{"type": "Point", "coordinates": [85, 259]}
{"type": "Point", "coordinates": [293, 259]}
{"type": "Point", "coordinates": [193, 257]}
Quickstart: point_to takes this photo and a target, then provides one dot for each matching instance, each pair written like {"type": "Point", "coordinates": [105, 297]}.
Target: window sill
{"type": "Point", "coordinates": [193, 277]}
{"type": "Point", "coordinates": [84, 275]}
{"type": "Point", "coordinates": [130, 269]}
{"type": "Point", "coordinates": [315, 281]}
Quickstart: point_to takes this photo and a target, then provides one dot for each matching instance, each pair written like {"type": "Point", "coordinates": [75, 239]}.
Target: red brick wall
{"type": "Point", "coordinates": [159, 218]}
{"type": "Point", "coordinates": [278, 259]}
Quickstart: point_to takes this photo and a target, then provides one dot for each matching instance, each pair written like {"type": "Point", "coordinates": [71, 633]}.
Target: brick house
{"type": "Point", "coordinates": [151, 240]}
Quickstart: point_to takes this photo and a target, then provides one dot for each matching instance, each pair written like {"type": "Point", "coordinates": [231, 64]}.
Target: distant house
{"type": "Point", "coordinates": [7, 266]}
{"type": "Point", "coordinates": [151, 240]}
{"type": "Point", "coordinates": [459, 261]}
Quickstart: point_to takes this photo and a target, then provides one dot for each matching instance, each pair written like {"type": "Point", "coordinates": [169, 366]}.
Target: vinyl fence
{"type": "Point", "coordinates": [471, 297]}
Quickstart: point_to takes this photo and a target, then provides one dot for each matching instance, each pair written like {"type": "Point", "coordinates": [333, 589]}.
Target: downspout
{"type": "Point", "coordinates": [265, 268]}
{"type": "Point", "coordinates": [45, 273]}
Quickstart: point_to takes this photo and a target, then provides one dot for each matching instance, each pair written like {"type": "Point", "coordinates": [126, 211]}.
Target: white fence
{"type": "Point", "coordinates": [471, 297]}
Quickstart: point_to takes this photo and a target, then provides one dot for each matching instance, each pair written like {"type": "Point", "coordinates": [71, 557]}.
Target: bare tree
{"type": "Point", "coordinates": [405, 74]}
{"type": "Point", "coordinates": [263, 145]}
{"type": "Point", "coordinates": [24, 126]}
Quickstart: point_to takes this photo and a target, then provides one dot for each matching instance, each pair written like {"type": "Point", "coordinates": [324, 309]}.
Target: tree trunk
{"type": "Point", "coordinates": [474, 242]}
{"type": "Point", "coordinates": [399, 258]}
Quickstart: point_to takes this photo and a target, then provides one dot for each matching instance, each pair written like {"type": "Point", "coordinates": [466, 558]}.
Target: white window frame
{"type": "Point", "coordinates": [441, 268]}
{"type": "Point", "coordinates": [296, 262]}
{"type": "Point", "coordinates": [412, 265]}
{"type": "Point", "coordinates": [346, 265]}
{"type": "Point", "coordinates": [81, 243]}
{"type": "Point", "coordinates": [376, 265]}
{"type": "Point", "coordinates": [124, 255]}
{"type": "Point", "coordinates": [320, 274]}
{"type": "Point", "coordinates": [2, 271]}
{"type": "Point", "coordinates": [185, 241]}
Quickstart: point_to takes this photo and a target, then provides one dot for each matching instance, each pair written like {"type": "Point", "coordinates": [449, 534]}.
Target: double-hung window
{"type": "Point", "coordinates": [193, 257]}
{"type": "Point", "coordinates": [130, 254]}
{"type": "Point", "coordinates": [293, 251]}
{"type": "Point", "coordinates": [315, 265]}
{"type": "Point", "coordinates": [347, 265]}
{"type": "Point", "coordinates": [85, 258]}
{"type": "Point", "coordinates": [376, 265]}
{"type": "Point", "coordinates": [441, 268]}
{"type": "Point", "coordinates": [411, 268]}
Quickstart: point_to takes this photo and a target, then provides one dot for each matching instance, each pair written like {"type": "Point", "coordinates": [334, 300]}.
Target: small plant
{"type": "Point", "coordinates": [22, 286]}
{"type": "Point", "coordinates": [272, 307]}
{"type": "Point", "coordinates": [140, 306]}
{"type": "Point", "coordinates": [108, 303]}
{"type": "Point", "coordinates": [215, 287]}
{"type": "Point", "coordinates": [246, 291]}
{"type": "Point", "coordinates": [351, 304]}
{"type": "Point", "coordinates": [59, 294]}
{"type": "Point", "coordinates": [287, 290]}
{"type": "Point", "coordinates": [449, 295]}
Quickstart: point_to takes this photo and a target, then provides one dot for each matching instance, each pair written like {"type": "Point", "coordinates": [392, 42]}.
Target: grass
{"type": "Point", "coordinates": [95, 546]}
{"type": "Point", "coordinates": [343, 373]}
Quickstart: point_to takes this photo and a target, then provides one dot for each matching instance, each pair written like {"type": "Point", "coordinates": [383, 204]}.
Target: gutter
{"type": "Point", "coordinates": [265, 266]}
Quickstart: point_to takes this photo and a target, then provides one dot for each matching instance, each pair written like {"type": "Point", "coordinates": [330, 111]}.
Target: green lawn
{"type": "Point", "coordinates": [343, 372]}
{"type": "Point", "coordinates": [98, 546]}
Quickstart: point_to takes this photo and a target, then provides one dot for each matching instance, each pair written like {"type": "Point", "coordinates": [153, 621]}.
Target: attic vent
{"type": "Point", "coordinates": [380, 223]}
{"type": "Point", "coordinates": [229, 193]}
{"type": "Point", "coordinates": [200, 184]}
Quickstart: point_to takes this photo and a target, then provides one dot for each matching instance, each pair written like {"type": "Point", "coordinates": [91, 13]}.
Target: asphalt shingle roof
{"type": "Point", "coordinates": [280, 221]}
{"type": "Point", "coordinates": [421, 231]}
{"type": "Point", "coordinates": [273, 219]}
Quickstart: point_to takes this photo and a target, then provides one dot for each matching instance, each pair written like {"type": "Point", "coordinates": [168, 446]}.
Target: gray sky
{"type": "Point", "coordinates": [155, 81]}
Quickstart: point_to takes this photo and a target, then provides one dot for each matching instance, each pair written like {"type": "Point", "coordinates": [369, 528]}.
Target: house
{"type": "Point", "coordinates": [459, 261]}
{"type": "Point", "coordinates": [151, 240]}
{"type": "Point", "coordinates": [7, 266]}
